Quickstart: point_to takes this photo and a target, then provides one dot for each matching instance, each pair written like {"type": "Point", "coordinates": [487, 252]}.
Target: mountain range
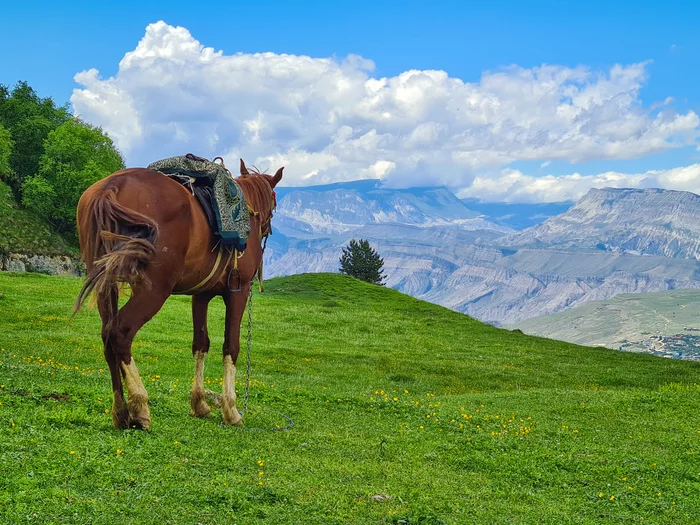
{"type": "Point", "coordinates": [633, 221]}
{"type": "Point", "coordinates": [500, 263]}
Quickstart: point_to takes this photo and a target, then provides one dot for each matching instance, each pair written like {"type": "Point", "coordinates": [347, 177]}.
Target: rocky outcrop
{"type": "Point", "coordinates": [48, 264]}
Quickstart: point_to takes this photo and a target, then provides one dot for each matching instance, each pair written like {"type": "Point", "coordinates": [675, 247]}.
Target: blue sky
{"type": "Point", "coordinates": [47, 43]}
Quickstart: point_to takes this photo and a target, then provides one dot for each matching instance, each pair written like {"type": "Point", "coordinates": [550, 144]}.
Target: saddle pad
{"type": "Point", "coordinates": [230, 207]}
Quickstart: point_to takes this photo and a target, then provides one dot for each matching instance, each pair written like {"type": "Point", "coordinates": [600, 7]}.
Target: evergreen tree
{"type": "Point", "coordinates": [359, 260]}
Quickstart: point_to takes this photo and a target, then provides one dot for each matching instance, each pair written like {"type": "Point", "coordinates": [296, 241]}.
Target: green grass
{"type": "Point", "coordinates": [456, 421]}
{"type": "Point", "coordinates": [23, 232]}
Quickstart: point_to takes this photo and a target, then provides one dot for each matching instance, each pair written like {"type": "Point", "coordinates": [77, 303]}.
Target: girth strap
{"type": "Point", "coordinates": [213, 271]}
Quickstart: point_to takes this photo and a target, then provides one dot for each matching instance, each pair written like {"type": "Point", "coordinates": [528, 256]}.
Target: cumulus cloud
{"type": "Point", "coordinates": [330, 120]}
{"type": "Point", "coordinates": [514, 186]}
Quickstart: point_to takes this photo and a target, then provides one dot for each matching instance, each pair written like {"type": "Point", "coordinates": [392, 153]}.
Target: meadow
{"type": "Point", "coordinates": [404, 413]}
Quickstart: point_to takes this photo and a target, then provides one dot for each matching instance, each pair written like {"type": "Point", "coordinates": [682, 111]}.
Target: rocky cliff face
{"type": "Point", "coordinates": [641, 222]}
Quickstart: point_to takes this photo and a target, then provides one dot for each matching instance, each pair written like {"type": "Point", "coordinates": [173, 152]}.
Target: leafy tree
{"type": "Point", "coordinates": [361, 261]}
{"type": "Point", "coordinates": [6, 145]}
{"type": "Point", "coordinates": [29, 119]}
{"type": "Point", "coordinates": [75, 156]}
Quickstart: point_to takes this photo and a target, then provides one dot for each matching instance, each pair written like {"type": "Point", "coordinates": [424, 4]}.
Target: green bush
{"type": "Point", "coordinates": [6, 146]}
{"type": "Point", "coordinates": [21, 231]}
{"type": "Point", "coordinates": [76, 155]}
{"type": "Point", "coordinates": [29, 119]}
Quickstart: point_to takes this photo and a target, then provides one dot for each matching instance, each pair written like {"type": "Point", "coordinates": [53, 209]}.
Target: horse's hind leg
{"type": "Point", "coordinates": [200, 347]}
{"type": "Point", "coordinates": [107, 306]}
{"type": "Point", "coordinates": [138, 310]}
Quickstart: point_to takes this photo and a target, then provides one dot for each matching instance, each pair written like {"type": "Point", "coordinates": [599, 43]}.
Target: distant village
{"type": "Point", "coordinates": [677, 346]}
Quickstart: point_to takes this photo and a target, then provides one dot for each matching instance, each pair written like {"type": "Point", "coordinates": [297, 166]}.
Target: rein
{"type": "Point", "coordinates": [290, 421]}
{"type": "Point", "coordinates": [264, 234]}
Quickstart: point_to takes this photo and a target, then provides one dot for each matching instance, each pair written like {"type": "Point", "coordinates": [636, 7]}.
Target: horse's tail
{"type": "Point", "coordinates": [118, 242]}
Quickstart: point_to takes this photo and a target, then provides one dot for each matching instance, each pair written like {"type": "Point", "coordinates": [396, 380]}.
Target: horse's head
{"type": "Point", "coordinates": [272, 180]}
{"type": "Point", "coordinates": [266, 193]}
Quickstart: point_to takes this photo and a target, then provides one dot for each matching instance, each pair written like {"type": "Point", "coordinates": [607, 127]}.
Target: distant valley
{"type": "Point", "coordinates": [663, 323]}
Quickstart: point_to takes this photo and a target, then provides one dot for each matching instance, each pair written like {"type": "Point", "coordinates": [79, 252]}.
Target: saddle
{"type": "Point", "coordinates": [220, 197]}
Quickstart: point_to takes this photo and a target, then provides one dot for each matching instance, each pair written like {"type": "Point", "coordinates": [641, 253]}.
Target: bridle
{"type": "Point", "coordinates": [266, 225]}
{"type": "Point", "coordinates": [265, 230]}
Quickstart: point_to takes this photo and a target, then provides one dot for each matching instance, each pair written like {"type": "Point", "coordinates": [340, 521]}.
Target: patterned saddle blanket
{"type": "Point", "coordinates": [221, 197]}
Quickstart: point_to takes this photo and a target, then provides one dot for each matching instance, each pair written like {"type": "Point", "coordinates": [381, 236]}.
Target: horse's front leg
{"type": "Point", "coordinates": [200, 347]}
{"type": "Point", "coordinates": [235, 305]}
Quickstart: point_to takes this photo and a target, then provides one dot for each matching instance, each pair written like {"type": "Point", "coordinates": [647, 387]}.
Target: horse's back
{"type": "Point", "coordinates": [179, 222]}
{"type": "Point", "coordinates": [145, 191]}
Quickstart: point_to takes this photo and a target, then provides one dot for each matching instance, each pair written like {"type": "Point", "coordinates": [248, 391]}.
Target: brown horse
{"type": "Point", "coordinates": [140, 227]}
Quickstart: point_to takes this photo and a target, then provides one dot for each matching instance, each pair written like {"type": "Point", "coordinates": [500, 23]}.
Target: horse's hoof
{"type": "Point", "coordinates": [232, 417]}
{"type": "Point", "coordinates": [201, 411]}
{"type": "Point", "coordinates": [120, 424]}
{"type": "Point", "coordinates": [120, 413]}
{"type": "Point", "coordinates": [199, 406]}
{"type": "Point", "coordinates": [139, 423]}
{"type": "Point", "coordinates": [120, 420]}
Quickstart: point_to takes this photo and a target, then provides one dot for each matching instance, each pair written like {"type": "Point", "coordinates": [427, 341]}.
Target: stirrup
{"type": "Point", "coordinates": [228, 281]}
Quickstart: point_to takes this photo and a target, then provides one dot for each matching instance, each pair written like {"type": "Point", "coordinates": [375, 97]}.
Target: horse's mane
{"type": "Point", "coordinates": [258, 192]}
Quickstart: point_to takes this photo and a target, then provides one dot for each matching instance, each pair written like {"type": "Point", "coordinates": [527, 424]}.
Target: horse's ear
{"type": "Point", "coordinates": [277, 177]}
{"type": "Point", "coordinates": [244, 170]}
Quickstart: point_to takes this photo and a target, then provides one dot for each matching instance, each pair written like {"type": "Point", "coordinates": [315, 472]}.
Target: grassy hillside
{"type": "Point", "coordinates": [662, 322]}
{"type": "Point", "coordinates": [404, 412]}
{"type": "Point", "coordinates": [21, 231]}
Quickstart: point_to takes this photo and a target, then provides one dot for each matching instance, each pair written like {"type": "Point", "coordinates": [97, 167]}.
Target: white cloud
{"type": "Point", "coordinates": [379, 170]}
{"type": "Point", "coordinates": [328, 120]}
{"type": "Point", "coordinates": [514, 186]}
